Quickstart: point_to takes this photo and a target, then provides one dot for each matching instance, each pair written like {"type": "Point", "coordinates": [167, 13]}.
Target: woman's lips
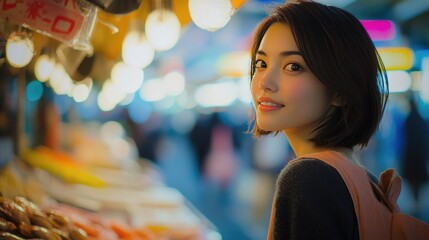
{"type": "Point", "coordinates": [266, 104]}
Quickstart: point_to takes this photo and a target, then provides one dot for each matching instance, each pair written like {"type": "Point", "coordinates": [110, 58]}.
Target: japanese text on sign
{"type": "Point", "coordinates": [59, 18]}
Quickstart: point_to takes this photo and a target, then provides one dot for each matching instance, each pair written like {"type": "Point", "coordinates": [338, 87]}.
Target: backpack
{"type": "Point", "coordinates": [377, 212]}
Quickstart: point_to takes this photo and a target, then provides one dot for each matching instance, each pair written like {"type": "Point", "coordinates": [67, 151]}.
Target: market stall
{"type": "Point", "coordinates": [93, 202]}
{"type": "Point", "coordinates": [69, 181]}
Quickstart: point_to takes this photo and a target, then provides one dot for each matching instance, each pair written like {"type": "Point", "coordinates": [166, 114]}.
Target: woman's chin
{"type": "Point", "coordinates": [269, 128]}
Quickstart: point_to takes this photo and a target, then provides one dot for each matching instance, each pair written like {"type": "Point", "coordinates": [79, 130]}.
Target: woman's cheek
{"type": "Point", "coordinates": [254, 91]}
{"type": "Point", "coordinates": [296, 93]}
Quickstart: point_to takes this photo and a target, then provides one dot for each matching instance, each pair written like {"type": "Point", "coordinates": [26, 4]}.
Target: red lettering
{"type": "Point", "coordinates": [8, 5]}
{"type": "Point", "coordinates": [73, 2]}
{"type": "Point", "coordinates": [63, 25]}
{"type": "Point", "coordinates": [33, 10]}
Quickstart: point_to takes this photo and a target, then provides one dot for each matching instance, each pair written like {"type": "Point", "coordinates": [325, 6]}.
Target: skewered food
{"type": "Point", "coordinates": [22, 219]}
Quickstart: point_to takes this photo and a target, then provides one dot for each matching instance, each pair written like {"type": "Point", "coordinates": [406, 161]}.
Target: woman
{"type": "Point", "coordinates": [317, 77]}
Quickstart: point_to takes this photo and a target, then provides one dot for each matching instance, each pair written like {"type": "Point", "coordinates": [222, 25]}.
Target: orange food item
{"type": "Point", "coordinates": [145, 233]}
{"type": "Point", "coordinates": [121, 230]}
{"type": "Point", "coordinates": [88, 229]}
{"type": "Point", "coordinates": [157, 228]}
{"type": "Point", "coordinates": [126, 232]}
{"type": "Point", "coordinates": [58, 156]}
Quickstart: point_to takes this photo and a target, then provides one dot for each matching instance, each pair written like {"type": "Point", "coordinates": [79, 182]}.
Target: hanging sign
{"type": "Point", "coordinates": [60, 19]}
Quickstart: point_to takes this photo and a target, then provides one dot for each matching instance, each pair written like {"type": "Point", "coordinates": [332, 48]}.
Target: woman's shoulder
{"type": "Point", "coordinates": [308, 166]}
{"type": "Point", "coordinates": [309, 174]}
{"type": "Point", "coordinates": [311, 193]}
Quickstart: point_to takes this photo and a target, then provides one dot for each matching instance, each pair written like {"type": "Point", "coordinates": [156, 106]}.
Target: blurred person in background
{"type": "Point", "coordinates": [415, 153]}
{"type": "Point", "coordinates": [316, 76]}
{"type": "Point", "coordinates": [212, 140]}
{"type": "Point", "coordinates": [145, 135]}
{"type": "Point", "coordinates": [200, 137]}
{"type": "Point", "coordinates": [220, 164]}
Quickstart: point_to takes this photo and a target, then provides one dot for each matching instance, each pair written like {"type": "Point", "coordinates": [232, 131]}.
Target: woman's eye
{"type": "Point", "coordinates": [293, 67]}
{"type": "Point", "coordinates": [260, 64]}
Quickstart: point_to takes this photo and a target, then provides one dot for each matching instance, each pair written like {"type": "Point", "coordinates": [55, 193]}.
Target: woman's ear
{"type": "Point", "coordinates": [338, 100]}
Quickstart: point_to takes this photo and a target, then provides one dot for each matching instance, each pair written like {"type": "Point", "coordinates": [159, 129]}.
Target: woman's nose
{"type": "Point", "coordinates": [268, 81]}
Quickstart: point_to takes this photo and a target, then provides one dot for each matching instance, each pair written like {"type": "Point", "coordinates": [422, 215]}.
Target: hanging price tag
{"type": "Point", "coordinates": [60, 19]}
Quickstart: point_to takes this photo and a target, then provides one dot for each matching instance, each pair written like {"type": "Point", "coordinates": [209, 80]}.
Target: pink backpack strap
{"type": "Point", "coordinates": [404, 227]}
{"type": "Point", "coordinates": [389, 188]}
{"type": "Point", "coordinates": [374, 220]}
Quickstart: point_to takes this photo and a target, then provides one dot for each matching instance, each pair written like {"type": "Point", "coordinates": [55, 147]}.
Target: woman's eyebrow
{"type": "Point", "coordinates": [282, 54]}
{"type": "Point", "coordinates": [289, 53]}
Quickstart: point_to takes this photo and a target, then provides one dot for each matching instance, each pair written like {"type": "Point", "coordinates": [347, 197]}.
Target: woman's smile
{"type": "Point", "coordinates": [266, 104]}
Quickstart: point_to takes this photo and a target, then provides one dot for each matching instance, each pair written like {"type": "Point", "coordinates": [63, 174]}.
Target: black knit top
{"type": "Point", "coordinates": [313, 202]}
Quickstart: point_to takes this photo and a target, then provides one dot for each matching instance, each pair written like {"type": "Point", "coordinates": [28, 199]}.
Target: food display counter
{"type": "Point", "coordinates": [93, 202]}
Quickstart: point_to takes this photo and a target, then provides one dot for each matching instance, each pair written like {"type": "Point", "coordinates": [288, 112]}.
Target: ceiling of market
{"type": "Point", "coordinates": [198, 52]}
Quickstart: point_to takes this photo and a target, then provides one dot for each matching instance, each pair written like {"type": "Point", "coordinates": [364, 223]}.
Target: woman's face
{"type": "Point", "coordinates": [286, 94]}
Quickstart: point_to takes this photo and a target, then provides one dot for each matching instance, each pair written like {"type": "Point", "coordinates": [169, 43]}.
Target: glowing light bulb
{"type": "Point", "coordinates": [162, 29]}
{"type": "Point", "coordinates": [44, 67]}
{"type": "Point", "coordinates": [81, 92]}
{"type": "Point", "coordinates": [210, 15]}
{"type": "Point", "coordinates": [19, 49]}
{"type": "Point", "coordinates": [136, 50]}
{"type": "Point", "coordinates": [127, 78]}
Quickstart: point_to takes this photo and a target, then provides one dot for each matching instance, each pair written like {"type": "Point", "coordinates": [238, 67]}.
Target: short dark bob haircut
{"type": "Point", "coordinates": [340, 53]}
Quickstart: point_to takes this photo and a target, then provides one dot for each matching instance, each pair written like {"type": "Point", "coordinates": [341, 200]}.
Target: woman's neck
{"type": "Point", "coordinates": [298, 140]}
{"type": "Point", "coordinates": [302, 146]}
